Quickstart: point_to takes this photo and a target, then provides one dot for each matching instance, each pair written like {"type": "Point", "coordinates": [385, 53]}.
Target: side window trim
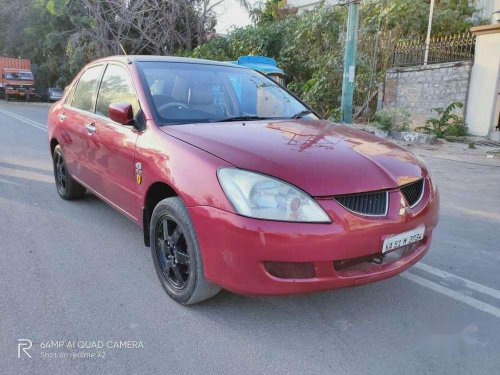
{"type": "Point", "coordinates": [69, 98]}
{"type": "Point", "coordinates": [98, 86]}
{"type": "Point", "coordinates": [98, 91]}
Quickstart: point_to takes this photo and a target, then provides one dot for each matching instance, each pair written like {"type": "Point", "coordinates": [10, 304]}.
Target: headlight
{"type": "Point", "coordinates": [258, 196]}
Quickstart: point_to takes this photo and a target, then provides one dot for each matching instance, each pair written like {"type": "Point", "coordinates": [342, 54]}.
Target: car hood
{"type": "Point", "coordinates": [320, 157]}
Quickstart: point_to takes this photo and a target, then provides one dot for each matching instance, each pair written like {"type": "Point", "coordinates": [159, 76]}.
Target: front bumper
{"type": "Point", "coordinates": [234, 248]}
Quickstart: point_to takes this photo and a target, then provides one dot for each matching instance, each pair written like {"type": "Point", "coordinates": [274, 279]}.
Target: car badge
{"type": "Point", "coordinates": [138, 173]}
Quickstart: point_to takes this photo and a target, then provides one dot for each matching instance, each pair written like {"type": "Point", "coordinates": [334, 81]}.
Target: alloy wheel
{"type": "Point", "coordinates": [172, 252]}
{"type": "Point", "coordinates": [61, 173]}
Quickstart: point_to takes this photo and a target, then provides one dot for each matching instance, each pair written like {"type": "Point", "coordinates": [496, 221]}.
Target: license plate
{"type": "Point", "coordinates": [21, 94]}
{"type": "Point", "coordinates": [403, 239]}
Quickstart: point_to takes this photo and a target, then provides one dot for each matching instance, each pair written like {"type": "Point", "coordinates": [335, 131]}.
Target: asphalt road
{"type": "Point", "coordinates": [79, 271]}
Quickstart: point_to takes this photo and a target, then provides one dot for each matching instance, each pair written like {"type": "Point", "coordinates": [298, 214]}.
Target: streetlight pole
{"type": "Point", "coordinates": [350, 62]}
{"type": "Point", "coordinates": [428, 38]}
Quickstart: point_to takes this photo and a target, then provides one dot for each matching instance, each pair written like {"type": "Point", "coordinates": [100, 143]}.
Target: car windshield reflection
{"type": "Point", "coordinates": [202, 93]}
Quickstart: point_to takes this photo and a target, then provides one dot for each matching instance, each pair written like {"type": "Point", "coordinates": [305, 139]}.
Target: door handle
{"type": "Point", "coordinates": [62, 117]}
{"type": "Point", "coordinates": [90, 127]}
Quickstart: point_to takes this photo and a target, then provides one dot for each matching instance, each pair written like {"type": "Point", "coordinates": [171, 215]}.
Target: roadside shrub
{"type": "Point", "coordinates": [457, 130]}
{"type": "Point", "coordinates": [448, 122]}
{"type": "Point", "coordinates": [383, 120]}
{"type": "Point", "coordinates": [392, 119]}
{"type": "Point", "coordinates": [335, 115]}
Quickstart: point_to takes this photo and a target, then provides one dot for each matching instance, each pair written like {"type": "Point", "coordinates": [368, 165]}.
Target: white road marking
{"type": "Point", "coordinates": [26, 120]}
{"type": "Point", "coordinates": [25, 175]}
{"type": "Point", "coordinates": [468, 283]}
{"type": "Point", "coordinates": [11, 182]}
{"type": "Point", "coordinates": [457, 296]}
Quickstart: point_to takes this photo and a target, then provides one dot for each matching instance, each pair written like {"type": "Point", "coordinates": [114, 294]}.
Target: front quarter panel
{"type": "Point", "coordinates": [190, 171]}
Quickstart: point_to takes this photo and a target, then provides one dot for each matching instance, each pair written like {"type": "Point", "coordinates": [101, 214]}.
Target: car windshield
{"type": "Point", "coordinates": [196, 93]}
{"type": "Point", "coordinates": [55, 91]}
{"type": "Point", "coordinates": [19, 76]}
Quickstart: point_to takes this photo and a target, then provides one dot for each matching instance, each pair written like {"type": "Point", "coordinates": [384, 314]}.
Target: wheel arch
{"type": "Point", "coordinates": [156, 192]}
{"type": "Point", "coordinates": [53, 143]}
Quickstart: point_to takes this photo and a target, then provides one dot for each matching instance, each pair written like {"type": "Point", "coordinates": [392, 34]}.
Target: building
{"type": "Point", "coordinates": [485, 8]}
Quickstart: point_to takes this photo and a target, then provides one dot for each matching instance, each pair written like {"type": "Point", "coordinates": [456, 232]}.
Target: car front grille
{"type": "Point", "coordinates": [413, 192]}
{"type": "Point", "coordinates": [376, 203]}
{"type": "Point", "coordinates": [370, 204]}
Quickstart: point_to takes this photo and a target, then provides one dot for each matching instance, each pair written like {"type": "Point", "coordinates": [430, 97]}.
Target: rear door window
{"type": "Point", "coordinates": [86, 89]}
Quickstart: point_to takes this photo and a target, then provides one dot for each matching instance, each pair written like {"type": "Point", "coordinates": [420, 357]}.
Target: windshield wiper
{"type": "Point", "coordinates": [301, 114]}
{"type": "Point", "coordinates": [242, 118]}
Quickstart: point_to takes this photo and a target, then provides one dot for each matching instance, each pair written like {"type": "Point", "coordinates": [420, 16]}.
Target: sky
{"type": "Point", "coordinates": [230, 13]}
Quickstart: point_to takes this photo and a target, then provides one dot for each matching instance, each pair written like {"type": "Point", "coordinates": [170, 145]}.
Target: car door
{"type": "Point", "coordinates": [111, 152]}
{"type": "Point", "coordinates": [74, 119]}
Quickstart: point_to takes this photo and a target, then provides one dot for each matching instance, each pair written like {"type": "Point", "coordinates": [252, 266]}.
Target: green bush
{"type": "Point", "coordinates": [383, 119]}
{"type": "Point", "coordinates": [392, 119]}
{"type": "Point", "coordinates": [448, 122]}
{"type": "Point", "coordinates": [310, 46]}
{"type": "Point", "coordinates": [457, 130]}
{"type": "Point", "coordinates": [335, 115]}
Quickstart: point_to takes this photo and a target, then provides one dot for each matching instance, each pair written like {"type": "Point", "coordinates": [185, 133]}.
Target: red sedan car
{"type": "Point", "coordinates": [236, 182]}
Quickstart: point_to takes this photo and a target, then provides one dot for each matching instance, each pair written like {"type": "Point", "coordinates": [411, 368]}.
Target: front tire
{"type": "Point", "coordinates": [67, 187]}
{"type": "Point", "coordinates": [176, 254]}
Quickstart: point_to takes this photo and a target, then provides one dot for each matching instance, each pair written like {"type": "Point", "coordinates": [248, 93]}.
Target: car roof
{"type": "Point", "coordinates": [151, 58]}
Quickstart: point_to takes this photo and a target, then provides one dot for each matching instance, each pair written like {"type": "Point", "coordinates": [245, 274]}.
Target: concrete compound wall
{"type": "Point", "coordinates": [418, 89]}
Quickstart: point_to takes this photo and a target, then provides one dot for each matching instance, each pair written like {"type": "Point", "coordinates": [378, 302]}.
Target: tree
{"type": "Point", "coordinates": [147, 26]}
{"type": "Point", "coordinates": [60, 36]}
{"type": "Point", "coordinates": [271, 10]}
{"type": "Point", "coordinates": [309, 46]}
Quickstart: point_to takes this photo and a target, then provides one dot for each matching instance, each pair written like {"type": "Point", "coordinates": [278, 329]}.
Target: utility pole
{"type": "Point", "coordinates": [428, 38]}
{"type": "Point", "coordinates": [350, 61]}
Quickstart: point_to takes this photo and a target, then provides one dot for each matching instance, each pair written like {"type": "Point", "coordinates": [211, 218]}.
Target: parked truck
{"type": "Point", "coordinates": [16, 79]}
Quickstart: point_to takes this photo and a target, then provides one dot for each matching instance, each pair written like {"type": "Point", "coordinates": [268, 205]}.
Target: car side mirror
{"type": "Point", "coordinates": [121, 113]}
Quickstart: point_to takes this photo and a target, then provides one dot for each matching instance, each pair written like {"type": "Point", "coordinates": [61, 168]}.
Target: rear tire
{"type": "Point", "coordinates": [67, 187]}
{"type": "Point", "coordinates": [176, 254]}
